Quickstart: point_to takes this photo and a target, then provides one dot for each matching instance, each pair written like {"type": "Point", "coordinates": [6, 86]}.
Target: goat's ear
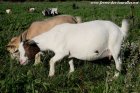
{"type": "Point", "coordinates": [9, 46]}
{"type": "Point", "coordinates": [23, 37]}
{"type": "Point", "coordinates": [32, 42]}
{"type": "Point", "coordinates": [25, 41]}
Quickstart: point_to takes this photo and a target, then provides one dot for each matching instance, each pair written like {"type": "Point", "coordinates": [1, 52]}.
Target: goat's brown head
{"type": "Point", "coordinates": [28, 49]}
{"type": "Point", "coordinates": [31, 49]}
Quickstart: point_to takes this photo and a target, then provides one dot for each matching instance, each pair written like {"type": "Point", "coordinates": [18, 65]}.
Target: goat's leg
{"type": "Point", "coordinates": [37, 58]}
{"type": "Point", "coordinates": [118, 64]}
{"type": "Point", "coordinates": [71, 66]}
{"type": "Point", "coordinates": [52, 62]}
{"type": "Point", "coordinates": [115, 53]}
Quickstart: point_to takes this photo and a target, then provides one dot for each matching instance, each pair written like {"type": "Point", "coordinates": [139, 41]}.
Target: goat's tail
{"type": "Point", "coordinates": [78, 19]}
{"type": "Point", "coordinates": [125, 27]}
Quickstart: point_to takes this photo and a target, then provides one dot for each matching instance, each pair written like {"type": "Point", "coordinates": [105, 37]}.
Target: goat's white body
{"type": "Point", "coordinates": [81, 40]}
{"type": "Point", "coordinates": [86, 41]}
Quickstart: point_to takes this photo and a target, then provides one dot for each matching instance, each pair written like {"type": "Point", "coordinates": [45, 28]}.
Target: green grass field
{"type": "Point", "coordinates": [89, 77]}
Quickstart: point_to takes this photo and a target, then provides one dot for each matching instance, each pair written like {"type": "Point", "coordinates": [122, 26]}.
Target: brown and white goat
{"type": "Point", "coordinates": [86, 41]}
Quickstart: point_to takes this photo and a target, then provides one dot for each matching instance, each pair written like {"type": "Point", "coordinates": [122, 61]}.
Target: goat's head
{"type": "Point", "coordinates": [28, 50]}
{"type": "Point", "coordinates": [12, 47]}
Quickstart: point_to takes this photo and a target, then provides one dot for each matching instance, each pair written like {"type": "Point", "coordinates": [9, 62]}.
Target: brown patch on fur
{"type": "Point", "coordinates": [31, 50]}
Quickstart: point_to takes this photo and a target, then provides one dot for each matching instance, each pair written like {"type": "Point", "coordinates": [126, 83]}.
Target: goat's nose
{"type": "Point", "coordinates": [21, 61]}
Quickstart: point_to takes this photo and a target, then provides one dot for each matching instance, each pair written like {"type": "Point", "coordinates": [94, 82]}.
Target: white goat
{"type": "Point", "coordinates": [54, 11]}
{"type": "Point", "coordinates": [31, 9]}
{"type": "Point", "coordinates": [91, 3]}
{"type": "Point", "coordinates": [8, 11]}
{"type": "Point", "coordinates": [50, 12]}
{"type": "Point", "coordinates": [87, 41]}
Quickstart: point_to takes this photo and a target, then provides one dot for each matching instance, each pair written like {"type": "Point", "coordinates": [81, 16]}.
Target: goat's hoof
{"type": "Point", "coordinates": [35, 64]}
{"type": "Point", "coordinates": [69, 74]}
{"type": "Point", "coordinates": [51, 75]}
{"type": "Point", "coordinates": [116, 75]}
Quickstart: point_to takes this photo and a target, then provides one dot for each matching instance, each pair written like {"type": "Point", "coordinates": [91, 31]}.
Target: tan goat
{"type": "Point", "coordinates": [37, 28]}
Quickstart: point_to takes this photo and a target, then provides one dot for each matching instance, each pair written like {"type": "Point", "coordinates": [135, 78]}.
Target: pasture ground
{"type": "Point", "coordinates": [89, 77]}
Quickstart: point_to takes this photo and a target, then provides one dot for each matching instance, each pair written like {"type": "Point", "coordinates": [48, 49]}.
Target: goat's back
{"type": "Point", "coordinates": [39, 27]}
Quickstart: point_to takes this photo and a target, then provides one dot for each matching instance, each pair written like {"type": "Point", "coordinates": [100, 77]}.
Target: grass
{"type": "Point", "coordinates": [89, 77]}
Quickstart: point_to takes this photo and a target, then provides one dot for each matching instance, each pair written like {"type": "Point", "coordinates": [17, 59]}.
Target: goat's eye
{"type": "Point", "coordinates": [16, 51]}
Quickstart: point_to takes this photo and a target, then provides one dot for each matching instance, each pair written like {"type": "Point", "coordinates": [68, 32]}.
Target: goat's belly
{"type": "Point", "coordinates": [91, 54]}
{"type": "Point", "coordinates": [82, 56]}
{"type": "Point", "coordinates": [88, 50]}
